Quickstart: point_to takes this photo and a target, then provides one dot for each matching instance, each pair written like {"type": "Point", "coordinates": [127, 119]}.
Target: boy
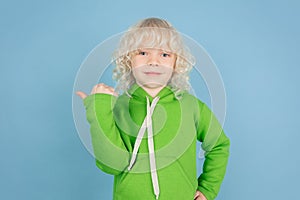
{"type": "Point", "coordinates": [147, 136]}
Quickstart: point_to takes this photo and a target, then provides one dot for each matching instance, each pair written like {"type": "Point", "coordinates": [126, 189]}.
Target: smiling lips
{"type": "Point", "coordinates": [152, 73]}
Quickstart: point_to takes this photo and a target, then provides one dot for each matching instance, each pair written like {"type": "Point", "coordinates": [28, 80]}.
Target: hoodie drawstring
{"type": "Point", "coordinates": [147, 124]}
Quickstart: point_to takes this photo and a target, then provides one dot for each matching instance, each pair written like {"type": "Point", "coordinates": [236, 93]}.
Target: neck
{"type": "Point", "coordinates": [153, 91]}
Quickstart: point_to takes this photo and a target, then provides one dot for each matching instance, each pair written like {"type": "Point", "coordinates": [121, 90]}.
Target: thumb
{"type": "Point", "coordinates": [82, 95]}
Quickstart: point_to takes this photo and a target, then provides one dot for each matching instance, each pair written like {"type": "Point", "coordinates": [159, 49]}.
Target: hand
{"type": "Point", "coordinates": [99, 88]}
{"type": "Point", "coordinates": [199, 196]}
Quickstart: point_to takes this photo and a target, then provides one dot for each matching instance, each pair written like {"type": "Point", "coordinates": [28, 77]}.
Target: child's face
{"type": "Point", "coordinates": [153, 68]}
{"type": "Point", "coordinates": [148, 56]}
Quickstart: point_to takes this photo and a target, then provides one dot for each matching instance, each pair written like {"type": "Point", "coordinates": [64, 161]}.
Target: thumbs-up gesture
{"type": "Point", "coordinates": [99, 88]}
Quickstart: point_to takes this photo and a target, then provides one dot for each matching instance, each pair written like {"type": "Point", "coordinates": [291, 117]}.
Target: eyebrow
{"type": "Point", "coordinates": [158, 49]}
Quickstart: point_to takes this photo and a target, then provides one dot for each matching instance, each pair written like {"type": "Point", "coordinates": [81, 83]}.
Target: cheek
{"type": "Point", "coordinates": [136, 62]}
{"type": "Point", "coordinates": [171, 64]}
{"type": "Point", "coordinates": [133, 62]}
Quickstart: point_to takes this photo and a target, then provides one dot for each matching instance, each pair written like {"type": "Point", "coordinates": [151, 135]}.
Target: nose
{"type": "Point", "coordinates": [153, 60]}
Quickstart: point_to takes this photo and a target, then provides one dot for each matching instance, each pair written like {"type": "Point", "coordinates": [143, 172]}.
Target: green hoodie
{"type": "Point", "coordinates": [177, 124]}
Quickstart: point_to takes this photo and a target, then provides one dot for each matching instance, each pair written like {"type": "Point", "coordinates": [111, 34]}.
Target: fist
{"type": "Point", "coordinates": [99, 88]}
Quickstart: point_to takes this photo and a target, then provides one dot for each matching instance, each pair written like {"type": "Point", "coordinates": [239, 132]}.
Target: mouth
{"type": "Point", "coordinates": [152, 73]}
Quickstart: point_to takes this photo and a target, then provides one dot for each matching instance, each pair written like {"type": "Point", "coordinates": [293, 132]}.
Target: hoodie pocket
{"type": "Point", "coordinates": [175, 183]}
{"type": "Point", "coordinates": [134, 186]}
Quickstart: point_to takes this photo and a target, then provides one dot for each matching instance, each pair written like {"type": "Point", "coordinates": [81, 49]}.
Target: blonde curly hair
{"type": "Point", "coordinates": [152, 33]}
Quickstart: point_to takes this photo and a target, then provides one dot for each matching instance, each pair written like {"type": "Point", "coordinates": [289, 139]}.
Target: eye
{"type": "Point", "coordinates": [166, 55]}
{"type": "Point", "coordinates": [143, 53]}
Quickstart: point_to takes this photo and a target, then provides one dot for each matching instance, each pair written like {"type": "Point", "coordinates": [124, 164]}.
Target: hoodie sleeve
{"type": "Point", "coordinates": [109, 150]}
{"type": "Point", "coordinates": [216, 146]}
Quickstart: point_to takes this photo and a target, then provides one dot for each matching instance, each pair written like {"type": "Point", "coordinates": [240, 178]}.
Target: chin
{"type": "Point", "coordinates": [153, 85]}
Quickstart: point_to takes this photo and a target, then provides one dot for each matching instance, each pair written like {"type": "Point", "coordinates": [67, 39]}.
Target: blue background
{"type": "Point", "coordinates": [255, 45]}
